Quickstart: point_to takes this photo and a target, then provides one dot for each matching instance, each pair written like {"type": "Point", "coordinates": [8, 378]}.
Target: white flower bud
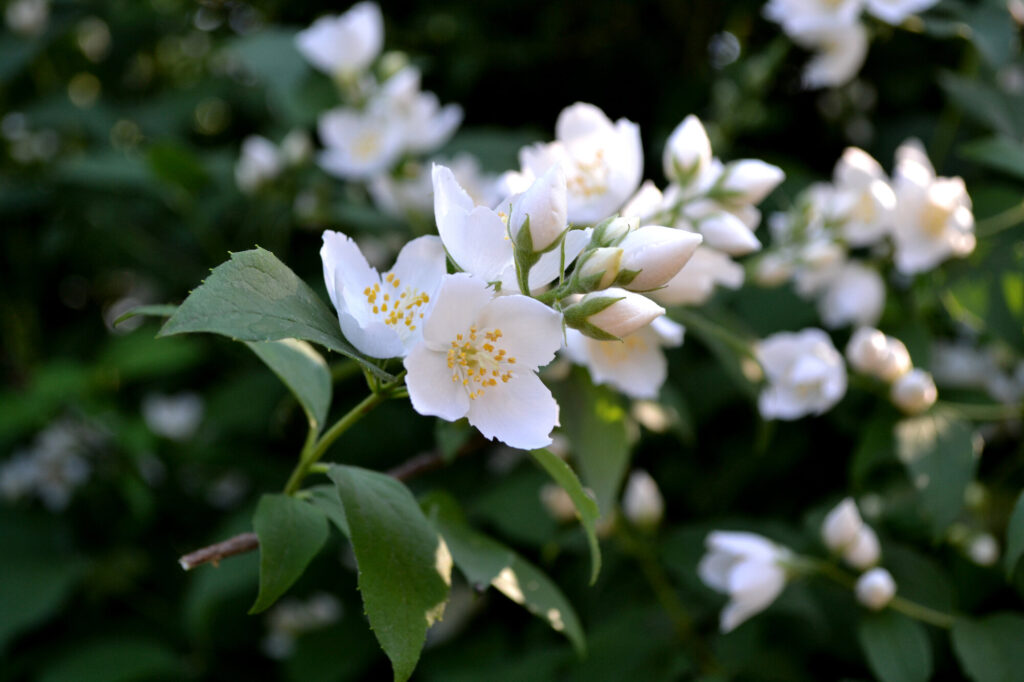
{"type": "Point", "coordinates": [611, 232]}
{"type": "Point", "coordinates": [602, 264]}
{"type": "Point", "coordinates": [612, 313]}
{"type": "Point", "coordinates": [914, 392]}
{"type": "Point", "coordinates": [687, 151]}
{"type": "Point", "coordinates": [872, 352]}
{"type": "Point", "coordinates": [842, 526]}
{"type": "Point", "coordinates": [642, 502]}
{"type": "Point", "coordinates": [983, 550]}
{"type": "Point", "coordinates": [864, 551]}
{"type": "Point", "coordinates": [726, 232]}
{"type": "Point", "coordinates": [544, 206]}
{"type": "Point", "coordinates": [748, 181]}
{"type": "Point", "coordinates": [657, 253]}
{"type": "Point", "coordinates": [875, 589]}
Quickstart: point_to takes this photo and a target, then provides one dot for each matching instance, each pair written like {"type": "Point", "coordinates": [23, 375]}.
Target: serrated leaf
{"type": "Point", "coordinates": [989, 649]}
{"type": "Point", "coordinates": [897, 647]}
{"type": "Point", "coordinates": [485, 561]}
{"type": "Point", "coordinates": [938, 453]}
{"type": "Point", "coordinates": [404, 565]}
{"type": "Point", "coordinates": [1015, 537]}
{"type": "Point", "coordinates": [595, 422]}
{"type": "Point", "coordinates": [303, 371]}
{"type": "Point", "coordinates": [291, 532]}
{"type": "Point", "coordinates": [255, 297]}
{"type": "Point", "coordinates": [163, 310]}
{"type": "Point", "coordinates": [585, 505]}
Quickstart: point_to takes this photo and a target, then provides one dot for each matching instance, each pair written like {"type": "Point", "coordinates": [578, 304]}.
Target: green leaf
{"type": "Point", "coordinates": [595, 422]}
{"type": "Point", "coordinates": [123, 659]}
{"type": "Point", "coordinates": [938, 453]}
{"type": "Point", "coordinates": [984, 103]}
{"type": "Point", "coordinates": [178, 166]}
{"type": "Point", "coordinates": [896, 646]}
{"type": "Point", "coordinates": [451, 436]}
{"type": "Point", "coordinates": [32, 589]}
{"type": "Point", "coordinates": [1000, 153]}
{"type": "Point", "coordinates": [255, 297]}
{"type": "Point", "coordinates": [989, 649]}
{"type": "Point", "coordinates": [303, 371]}
{"type": "Point", "coordinates": [162, 310]}
{"type": "Point", "coordinates": [291, 532]}
{"type": "Point", "coordinates": [585, 505]}
{"type": "Point", "coordinates": [404, 565]}
{"type": "Point", "coordinates": [1015, 537]}
{"type": "Point", "coordinates": [326, 499]}
{"type": "Point", "coordinates": [485, 561]}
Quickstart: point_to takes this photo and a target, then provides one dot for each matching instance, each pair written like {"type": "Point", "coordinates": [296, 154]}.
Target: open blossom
{"type": "Point", "coordinates": [896, 11]}
{"type": "Point", "coordinates": [856, 295]}
{"type": "Point", "coordinates": [933, 215]}
{"type": "Point", "coordinates": [863, 197]}
{"type": "Point", "coordinates": [839, 52]}
{"type": "Point", "coordinates": [417, 114]}
{"type": "Point", "coordinates": [382, 314]}
{"type": "Point", "coordinates": [800, 16]}
{"type": "Point", "coordinates": [345, 44]}
{"type": "Point", "coordinates": [636, 365]}
{"type": "Point", "coordinates": [479, 359]}
{"type": "Point", "coordinates": [602, 161]}
{"type": "Point", "coordinates": [805, 374]}
{"type": "Point", "coordinates": [358, 144]}
{"type": "Point", "coordinates": [747, 567]}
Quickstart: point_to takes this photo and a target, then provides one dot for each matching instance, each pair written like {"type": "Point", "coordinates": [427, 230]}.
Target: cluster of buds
{"type": "Point", "coordinates": [886, 358]}
{"type": "Point", "coordinates": [845, 534]}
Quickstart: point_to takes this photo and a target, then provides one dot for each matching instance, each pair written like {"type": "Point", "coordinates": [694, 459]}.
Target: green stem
{"type": "Point", "coordinates": [313, 451]}
{"type": "Point", "coordinates": [992, 225]}
{"type": "Point", "coordinates": [921, 613]}
{"type": "Point", "coordinates": [707, 327]}
{"type": "Point", "coordinates": [985, 412]}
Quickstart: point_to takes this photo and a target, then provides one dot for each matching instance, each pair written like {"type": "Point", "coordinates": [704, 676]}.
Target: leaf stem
{"type": "Point", "coordinates": [985, 411]}
{"type": "Point", "coordinates": [1011, 217]}
{"type": "Point", "coordinates": [707, 327]}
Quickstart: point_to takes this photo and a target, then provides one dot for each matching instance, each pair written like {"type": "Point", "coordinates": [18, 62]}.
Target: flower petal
{"type": "Point", "coordinates": [459, 301]}
{"type": "Point", "coordinates": [531, 331]}
{"type": "Point", "coordinates": [521, 413]}
{"type": "Point", "coordinates": [344, 266]}
{"type": "Point", "coordinates": [431, 389]}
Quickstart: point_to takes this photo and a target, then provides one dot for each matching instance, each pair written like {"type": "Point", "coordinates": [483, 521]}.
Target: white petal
{"type": "Point", "coordinates": [459, 302]}
{"type": "Point", "coordinates": [636, 366]}
{"type": "Point", "coordinates": [742, 544]}
{"type": "Point", "coordinates": [421, 264]}
{"type": "Point", "coordinates": [714, 569]}
{"type": "Point", "coordinates": [754, 586]}
{"type": "Point", "coordinates": [531, 331]}
{"type": "Point", "coordinates": [521, 413]}
{"type": "Point", "coordinates": [431, 389]}
{"type": "Point", "coordinates": [341, 256]}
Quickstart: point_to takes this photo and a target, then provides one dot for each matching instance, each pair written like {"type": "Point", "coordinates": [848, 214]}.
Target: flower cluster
{"type": "Point", "coordinates": [833, 31]}
{"type": "Point", "coordinates": [53, 467]}
{"type": "Point", "coordinates": [804, 373]}
{"type": "Point", "coordinates": [839, 235]}
{"type": "Point", "coordinates": [886, 358]}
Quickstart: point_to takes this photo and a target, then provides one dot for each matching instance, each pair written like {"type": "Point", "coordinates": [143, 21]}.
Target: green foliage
{"type": "Point", "coordinates": [124, 659]}
{"type": "Point", "coordinates": [303, 371]}
{"type": "Point", "coordinates": [897, 647]}
{"type": "Point", "coordinates": [989, 648]}
{"type": "Point", "coordinates": [1015, 537]}
{"type": "Point", "coordinates": [291, 533]}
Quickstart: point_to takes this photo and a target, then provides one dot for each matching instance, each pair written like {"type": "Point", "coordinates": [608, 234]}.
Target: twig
{"type": "Point", "coordinates": [240, 544]}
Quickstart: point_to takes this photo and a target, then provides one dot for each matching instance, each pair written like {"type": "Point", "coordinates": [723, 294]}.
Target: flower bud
{"type": "Point", "coordinates": [657, 253]}
{"type": "Point", "coordinates": [687, 151]}
{"type": "Point", "coordinates": [875, 589]}
{"type": "Point", "coordinates": [538, 216]}
{"type": "Point", "coordinates": [865, 551]}
{"type": "Point", "coordinates": [748, 181]}
{"type": "Point", "coordinates": [842, 526]}
{"type": "Point", "coordinates": [642, 502]}
{"type": "Point", "coordinates": [598, 268]}
{"type": "Point", "coordinates": [726, 232]}
{"type": "Point", "coordinates": [612, 231]}
{"type": "Point", "coordinates": [872, 352]}
{"type": "Point", "coordinates": [983, 550]}
{"type": "Point", "coordinates": [914, 392]}
{"type": "Point", "coordinates": [611, 314]}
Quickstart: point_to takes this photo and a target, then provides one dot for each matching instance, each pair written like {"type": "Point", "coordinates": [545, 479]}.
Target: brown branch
{"type": "Point", "coordinates": [240, 544]}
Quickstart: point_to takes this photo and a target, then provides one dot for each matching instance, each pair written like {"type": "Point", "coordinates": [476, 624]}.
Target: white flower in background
{"type": "Point", "coordinates": [346, 44]}
{"type": "Point", "coordinates": [805, 374]}
{"type": "Point", "coordinates": [933, 215]}
{"type": "Point", "coordinates": [865, 551]}
{"type": "Point", "coordinates": [612, 313]}
{"type": "Point", "coordinates": [636, 366]}
{"type": "Point", "coordinates": [914, 392]}
{"type": "Point", "coordinates": [28, 17]}
{"type": "Point", "coordinates": [478, 359]}
{"type": "Point", "coordinates": [657, 253]}
{"type": "Point", "coordinates": [863, 197]}
{"type": "Point", "coordinates": [173, 416]}
{"type": "Point", "coordinates": [642, 502]}
{"type": "Point", "coordinates": [296, 147]}
{"type": "Point", "coordinates": [382, 314]}
{"type": "Point", "coordinates": [358, 144]}
{"type": "Point", "coordinates": [726, 232]}
{"type": "Point", "coordinates": [424, 124]}
{"type": "Point", "coordinates": [875, 589]}
{"type": "Point", "coordinates": [895, 12]}
{"type": "Point", "coordinates": [748, 181]}
{"type": "Point", "coordinates": [687, 152]}
{"type": "Point", "coordinates": [839, 52]}
{"type": "Point", "coordinates": [841, 526]}
{"type": "Point", "coordinates": [856, 296]}
{"type": "Point", "coordinates": [541, 209]}
{"type": "Point", "coordinates": [259, 163]}
{"type": "Point", "coordinates": [411, 190]}
{"type": "Point", "coordinates": [52, 467]}
{"type": "Point", "coordinates": [695, 283]}
{"type": "Point", "coordinates": [983, 549]}
{"type": "Point", "coordinates": [799, 16]}
{"type": "Point", "coordinates": [292, 617]}
{"type": "Point", "coordinates": [603, 162]}
{"type": "Point", "coordinates": [820, 262]}
{"type": "Point", "coordinates": [872, 352]}
{"type": "Point", "coordinates": [747, 567]}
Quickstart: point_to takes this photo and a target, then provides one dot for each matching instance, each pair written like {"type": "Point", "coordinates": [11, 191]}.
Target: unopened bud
{"type": "Point", "coordinates": [872, 352]}
{"type": "Point", "coordinates": [875, 589]}
{"type": "Point", "coordinates": [598, 268]}
{"type": "Point", "coordinates": [914, 392]}
{"type": "Point", "coordinates": [865, 550]}
{"type": "Point", "coordinates": [748, 181]}
{"type": "Point", "coordinates": [687, 151]}
{"type": "Point", "coordinates": [842, 526]}
{"type": "Point", "coordinates": [983, 549]}
{"type": "Point", "coordinates": [611, 314]}
{"type": "Point", "coordinates": [642, 502]}
{"type": "Point", "coordinates": [726, 232]}
{"type": "Point", "coordinates": [657, 254]}
{"type": "Point", "coordinates": [612, 231]}
{"type": "Point", "coordinates": [538, 216]}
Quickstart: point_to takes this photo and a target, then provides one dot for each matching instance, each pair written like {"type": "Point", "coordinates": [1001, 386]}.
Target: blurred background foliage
{"type": "Point", "coordinates": [121, 124]}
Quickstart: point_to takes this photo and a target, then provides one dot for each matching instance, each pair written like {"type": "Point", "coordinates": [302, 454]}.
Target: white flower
{"type": "Point", "coordinates": [601, 267]}
{"type": "Point", "coordinates": [603, 161]}
{"type": "Point", "coordinates": [841, 526]}
{"type": "Point", "coordinates": [800, 16]}
{"type": "Point", "coordinates": [423, 123]}
{"type": "Point", "coordinates": [410, 192]}
{"type": "Point", "coordinates": [749, 181]}
{"type": "Point", "coordinates": [804, 371]}
{"type": "Point", "coordinates": [543, 204]}
{"type": "Point", "coordinates": [855, 296]}
{"type": "Point", "coordinates": [872, 352]}
{"type": "Point", "coordinates": [657, 253]}
{"type": "Point", "coordinates": [345, 44]}
{"type": "Point", "coordinates": [358, 144]}
{"type": "Point", "coordinates": [382, 315]}
{"type": "Point", "coordinates": [726, 232]}
{"type": "Point", "coordinates": [983, 549]}
{"type": "Point", "coordinates": [839, 52]}
{"type": "Point", "coordinates": [173, 416]}
{"type": "Point", "coordinates": [695, 283]}
{"type": "Point", "coordinates": [479, 358]}
{"type": "Point", "coordinates": [636, 365]}
{"type": "Point", "coordinates": [875, 589]}
{"type": "Point", "coordinates": [28, 17]}
{"type": "Point", "coordinates": [895, 12]}
{"type": "Point", "coordinates": [259, 163]}
{"type": "Point", "coordinates": [864, 551]}
{"type": "Point", "coordinates": [933, 215]}
{"type": "Point", "coordinates": [296, 147]}
{"type": "Point", "coordinates": [642, 502]}
{"type": "Point", "coordinates": [863, 197]}
{"type": "Point", "coordinates": [747, 567]}
{"type": "Point", "coordinates": [687, 152]}
{"type": "Point", "coordinates": [914, 392]}
{"type": "Point", "coordinates": [612, 313]}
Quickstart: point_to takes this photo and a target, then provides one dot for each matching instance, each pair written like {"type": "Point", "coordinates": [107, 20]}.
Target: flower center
{"type": "Point", "coordinates": [366, 146]}
{"type": "Point", "coordinates": [590, 177]}
{"type": "Point", "coordinates": [478, 362]}
{"type": "Point", "coordinates": [398, 308]}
